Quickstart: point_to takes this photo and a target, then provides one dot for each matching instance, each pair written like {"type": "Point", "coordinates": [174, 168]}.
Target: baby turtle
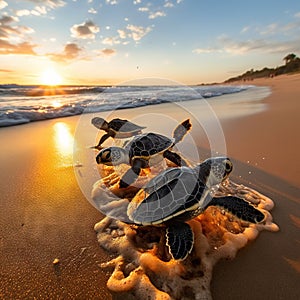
{"type": "Point", "coordinates": [116, 128]}
{"type": "Point", "coordinates": [180, 194]}
{"type": "Point", "coordinates": [141, 149]}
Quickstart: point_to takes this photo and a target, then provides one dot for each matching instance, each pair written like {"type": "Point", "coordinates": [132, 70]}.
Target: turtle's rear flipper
{"type": "Point", "coordinates": [180, 239]}
{"type": "Point", "coordinates": [132, 174]}
{"type": "Point", "coordinates": [239, 207]}
{"type": "Point", "coordinates": [175, 158]}
{"type": "Point", "coordinates": [181, 130]}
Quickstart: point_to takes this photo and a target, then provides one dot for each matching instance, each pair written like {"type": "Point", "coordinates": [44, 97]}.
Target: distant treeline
{"type": "Point", "coordinates": [292, 65]}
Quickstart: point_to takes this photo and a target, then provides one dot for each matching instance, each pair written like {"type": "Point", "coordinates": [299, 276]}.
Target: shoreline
{"type": "Point", "coordinates": [44, 214]}
{"type": "Point", "coordinates": [275, 128]}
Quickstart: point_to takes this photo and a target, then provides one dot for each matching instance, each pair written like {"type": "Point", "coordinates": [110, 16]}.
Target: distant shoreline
{"type": "Point", "coordinates": [292, 66]}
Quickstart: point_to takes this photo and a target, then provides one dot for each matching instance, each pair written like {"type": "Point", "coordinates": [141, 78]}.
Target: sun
{"type": "Point", "coordinates": [51, 77]}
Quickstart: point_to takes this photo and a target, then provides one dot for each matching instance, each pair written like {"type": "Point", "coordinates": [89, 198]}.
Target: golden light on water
{"type": "Point", "coordinates": [56, 104]}
{"type": "Point", "coordinates": [64, 142]}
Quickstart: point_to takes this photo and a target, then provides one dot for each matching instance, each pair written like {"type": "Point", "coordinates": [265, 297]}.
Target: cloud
{"type": "Point", "coordinates": [23, 12]}
{"type": "Point", "coordinates": [143, 9]}
{"type": "Point", "coordinates": [71, 51]}
{"type": "Point", "coordinates": [206, 50]}
{"type": "Point", "coordinates": [260, 45]}
{"type": "Point", "coordinates": [8, 19]}
{"type": "Point", "coordinates": [154, 15]}
{"type": "Point", "coordinates": [107, 52]}
{"type": "Point", "coordinates": [241, 47]}
{"type": "Point", "coordinates": [270, 29]}
{"type": "Point", "coordinates": [12, 32]}
{"type": "Point", "coordinates": [42, 9]}
{"type": "Point", "coordinates": [85, 30]}
{"type": "Point", "coordinates": [6, 71]}
{"type": "Point", "coordinates": [297, 15]}
{"type": "Point", "coordinates": [53, 4]}
{"type": "Point", "coordinates": [277, 38]}
{"type": "Point", "coordinates": [291, 28]}
{"type": "Point", "coordinates": [137, 32]}
{"type": "Point", "coordinates": [3, 4]}
{"type": "Point", "coordinates": [169, 4]}
{"type": "Point", "coordinates": [92, 11]}
{"type": "Point", "coordinates": [111, 41]}
{"type": "Point", "coordinates": [131, 32]}
{"type": "Point", "coordinates": [39, 10]}
{"type": "Point", "coordinates": [245, 29]}
{"type": "Point", "coordinates": [236, 47]}
{"type": "Point", "coordinates": [24, 48]}
{"type": "Point", "coordinates": [111, 2]}
{"type": "Point", "coordinates": [122, 34]}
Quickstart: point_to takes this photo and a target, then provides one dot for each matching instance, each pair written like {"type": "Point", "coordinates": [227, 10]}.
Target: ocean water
{"type": "Point", "coordinates": [22, 104]}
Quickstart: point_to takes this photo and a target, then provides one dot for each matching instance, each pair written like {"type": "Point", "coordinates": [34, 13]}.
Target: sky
{"type": "Point", "coordinates": [101, 42]}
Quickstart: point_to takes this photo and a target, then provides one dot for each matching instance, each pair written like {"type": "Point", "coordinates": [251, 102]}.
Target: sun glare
{"type": "Point", "coordinates": [51, 77]}
{"type": "Point", "coordinates": [64, 141]}
{"type": "Point", "coordinates": [56, 104]}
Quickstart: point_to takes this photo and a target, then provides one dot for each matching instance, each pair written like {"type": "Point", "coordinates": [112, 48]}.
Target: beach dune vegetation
{"type": "Point", "coordinates": [292, 65]}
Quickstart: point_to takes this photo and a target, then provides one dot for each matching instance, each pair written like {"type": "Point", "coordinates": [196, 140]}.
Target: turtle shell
{"type": "Point", "coordinates": [124, 126]}
{"type": "Point", "coordinates": [146, 145]}
{"type": "Point", "coordinates": [174, 193]}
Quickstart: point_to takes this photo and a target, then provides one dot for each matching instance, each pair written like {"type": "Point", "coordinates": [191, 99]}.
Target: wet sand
{"type": "Point", "coordinates": [44, 214]}
{"type": "Point", "coordinates": [265, 146]}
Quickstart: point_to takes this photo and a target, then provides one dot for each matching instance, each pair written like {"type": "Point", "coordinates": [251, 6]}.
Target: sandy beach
{"type": "Point", "coordinates": [265, 146]}
{"type": "Point", "coordinates": [45, 216]}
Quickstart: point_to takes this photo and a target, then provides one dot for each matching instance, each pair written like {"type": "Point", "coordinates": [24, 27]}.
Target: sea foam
{"type": "Point", "coordinates": [142, 267]}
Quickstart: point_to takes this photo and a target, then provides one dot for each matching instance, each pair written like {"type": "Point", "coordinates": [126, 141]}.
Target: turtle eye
{"type": "Point", "coordinates": [228, 166]}
{"type": "Point", "coordinates": [106, 155]}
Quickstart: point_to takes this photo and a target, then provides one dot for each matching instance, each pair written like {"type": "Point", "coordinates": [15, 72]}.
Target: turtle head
{"type": "Point", "coordinates": [112, 156]}
{"type": "Point", "coordinates": [214, 170]}
{"type": "Point", "coordinates": [100, 123]}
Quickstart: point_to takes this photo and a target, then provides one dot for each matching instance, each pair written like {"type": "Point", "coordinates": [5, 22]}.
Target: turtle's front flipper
{"type": "Point", "coordinates": [175, 158]}
{"type": "Point", "coordinates": [239, 207]}
{"type": "Point", "coordinates": [180, 239]}
{"type": "Point", "coordinates": [102, 140]}
{"type": "Point", "coordinates": [132, 174]}
{"type": "Point", "coordinates": [181, 130]}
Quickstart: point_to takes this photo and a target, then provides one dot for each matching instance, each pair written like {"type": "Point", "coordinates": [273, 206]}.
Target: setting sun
{"type": "Point", "coordinates": [51, 77]}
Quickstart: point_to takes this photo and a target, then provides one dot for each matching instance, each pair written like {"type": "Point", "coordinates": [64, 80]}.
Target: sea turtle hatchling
{"type": "Point", "coordinates": [116, 128]}
{"type": "Point", "coordinates": [179, 194]}
{"type": "Point", "coordinates": [141, 149]}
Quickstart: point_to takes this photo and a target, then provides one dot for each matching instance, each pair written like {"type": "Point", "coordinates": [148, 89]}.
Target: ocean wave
{"type": "Point", "coordinates": [37, 91]}
{"type": "Point", "coordinates": [18, 116]}
{"type": "Point", "coordinates": [23, 104]}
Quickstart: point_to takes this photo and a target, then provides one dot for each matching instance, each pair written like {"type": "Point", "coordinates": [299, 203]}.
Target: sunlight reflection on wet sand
{"type": "Point", "coordinates": [64, 142]}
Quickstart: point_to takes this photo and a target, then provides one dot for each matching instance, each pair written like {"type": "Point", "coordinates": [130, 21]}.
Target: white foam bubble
{"type": "Point", "coordinates": [142, 266]}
